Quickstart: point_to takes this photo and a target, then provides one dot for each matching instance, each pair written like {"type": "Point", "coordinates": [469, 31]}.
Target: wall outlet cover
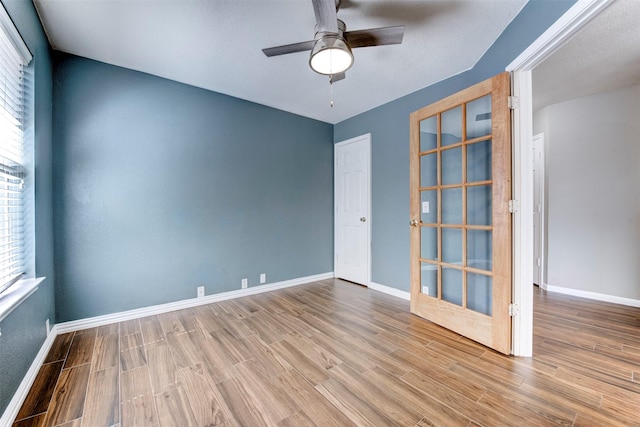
{"type": "Point", "coordinates": [263, 278]}
{"type": "Point", "coordinates": [200, 291]}
{"type": "Point", "coordinates": [245, 283]}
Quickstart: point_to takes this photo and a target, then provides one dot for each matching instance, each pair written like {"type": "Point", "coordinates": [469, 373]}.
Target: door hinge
{"type": "Point", "coordinates": [514, 310]}
{"type": "Point", "coordinates": [514, 102]}
{"type": "Point", "coordinates": [514, 206]}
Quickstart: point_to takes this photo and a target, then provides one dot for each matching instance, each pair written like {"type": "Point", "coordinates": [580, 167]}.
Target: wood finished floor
{"type": "Point", "coordinates": [337, 354]}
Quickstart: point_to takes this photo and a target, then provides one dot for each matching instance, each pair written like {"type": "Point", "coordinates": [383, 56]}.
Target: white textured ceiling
{"type": "Point", "coordinates": [217, 45]}
{"type": "Point", "coordinates": [602, 56]}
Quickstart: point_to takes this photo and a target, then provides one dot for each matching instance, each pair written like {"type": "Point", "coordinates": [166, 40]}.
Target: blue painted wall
{"type": "Point", "coordinates": [389, 128]}
{"type": "Point", "coordinates": [161, 187]}
{"type": "Point", "coordinates": [23, 331]}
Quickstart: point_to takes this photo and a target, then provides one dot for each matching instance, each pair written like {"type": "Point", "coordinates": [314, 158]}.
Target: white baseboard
{"type": "Point", "coordinates": [92, 322]}
{"type": "Point", "coordinates": [592, 295]}
{"type": "Point", "coordinates": [21, 393]}
{"type": "Point", "coordinates": [15, 404]}
{"type": "Point", "coordinates": [390, 291]}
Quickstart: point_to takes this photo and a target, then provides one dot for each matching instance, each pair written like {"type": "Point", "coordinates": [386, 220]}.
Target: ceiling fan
{"type": "Point", "coordinates": [331, 48]}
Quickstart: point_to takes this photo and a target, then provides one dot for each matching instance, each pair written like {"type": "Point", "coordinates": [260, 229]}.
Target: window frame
{"type": "Point", "coordinates": [22, 285]}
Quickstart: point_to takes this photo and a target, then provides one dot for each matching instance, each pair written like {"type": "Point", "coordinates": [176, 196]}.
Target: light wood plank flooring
{"type": "Point", "coordinates": [337, 354]}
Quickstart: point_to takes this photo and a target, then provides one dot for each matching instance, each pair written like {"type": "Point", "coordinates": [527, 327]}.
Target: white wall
{"type": "Point", "coordinates": [593, 192]}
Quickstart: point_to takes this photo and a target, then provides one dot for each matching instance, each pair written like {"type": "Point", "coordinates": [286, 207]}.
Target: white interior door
{"type": "Point", "coordinates": [352, 190]}
{"type": "Point", "coordinates": [538, 208]}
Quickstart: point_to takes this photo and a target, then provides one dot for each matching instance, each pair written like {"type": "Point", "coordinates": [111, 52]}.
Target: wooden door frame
{"type": "Point", "coordinates": [551, 40]}
{"type": "Point", "coordinates": [366, 138]}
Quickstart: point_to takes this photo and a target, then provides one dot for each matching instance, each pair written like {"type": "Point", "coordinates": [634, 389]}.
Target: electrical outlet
{"type": "Point", "coordinates": [245, 283]}
{"type": "Point", "coordinates": [46, 324]}
{"type": "Point", "coordinates": [263, 278]}
{"type": "Point", "coordinates": [200, 291]}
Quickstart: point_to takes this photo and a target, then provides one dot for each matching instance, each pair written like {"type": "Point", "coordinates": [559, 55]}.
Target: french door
{"type": "Point", "coordinates": [460, 165]}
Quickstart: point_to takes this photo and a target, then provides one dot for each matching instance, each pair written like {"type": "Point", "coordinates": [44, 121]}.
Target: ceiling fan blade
{"type": "Point", "coordinates": [337, 77]}
{"type": "Point", "coordinates": [289, 48]}
{"type": "Point", "coordinates": [326, 15]}
{"type": "Point", "coordinates": [375, 36]}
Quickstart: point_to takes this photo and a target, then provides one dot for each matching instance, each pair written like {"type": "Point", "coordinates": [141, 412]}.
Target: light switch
{"type": "Point", "coordinates": [425, 207]}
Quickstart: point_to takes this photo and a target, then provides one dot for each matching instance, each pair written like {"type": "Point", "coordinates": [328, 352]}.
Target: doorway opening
{"type": "Point", "coordinates": [522, 68]}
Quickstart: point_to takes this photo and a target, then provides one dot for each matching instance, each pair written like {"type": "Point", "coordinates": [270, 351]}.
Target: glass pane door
{"type": "Point", "coordinates": [455, 169]}
{"type": "Point", "coordinates": [460, 182]}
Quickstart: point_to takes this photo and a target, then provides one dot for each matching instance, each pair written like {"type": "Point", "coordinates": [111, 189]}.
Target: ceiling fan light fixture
{"type": "Point", "coordinates": [330, 55]}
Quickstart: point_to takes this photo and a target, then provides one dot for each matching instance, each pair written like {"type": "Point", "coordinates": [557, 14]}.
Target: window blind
{"type": "Point", "coordinates": [14, 56]}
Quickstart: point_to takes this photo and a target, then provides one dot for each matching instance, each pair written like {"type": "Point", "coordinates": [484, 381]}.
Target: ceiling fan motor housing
{"type": "Point", "coordinates": [342, 27]}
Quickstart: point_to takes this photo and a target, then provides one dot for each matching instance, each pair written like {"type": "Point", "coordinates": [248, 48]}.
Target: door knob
{"type": "Point", "coordinates": [363, 219]}
{"type": "Point", "coordinates": [413, 223]}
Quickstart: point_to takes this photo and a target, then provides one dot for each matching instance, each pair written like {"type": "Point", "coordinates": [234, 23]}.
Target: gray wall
{"type": "Point", "coordinates": [23, 331]}
{"type": "Point", "coordinates": [593, 202]}
{"type": "Point", "coordinates": [389, 128]}
{"type": "Point", "coordinates": [162, 187]}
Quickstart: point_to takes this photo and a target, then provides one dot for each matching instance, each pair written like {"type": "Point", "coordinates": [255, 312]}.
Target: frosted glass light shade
{"type": "Point", "coordinates": [330, 55]}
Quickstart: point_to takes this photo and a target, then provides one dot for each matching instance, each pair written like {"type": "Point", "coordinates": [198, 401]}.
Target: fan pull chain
{"type": "Point", "coordinates": [330, 92]}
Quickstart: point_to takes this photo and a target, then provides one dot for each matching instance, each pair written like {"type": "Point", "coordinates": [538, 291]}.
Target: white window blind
{"type": "Point", "coordinates": [14, 56]}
